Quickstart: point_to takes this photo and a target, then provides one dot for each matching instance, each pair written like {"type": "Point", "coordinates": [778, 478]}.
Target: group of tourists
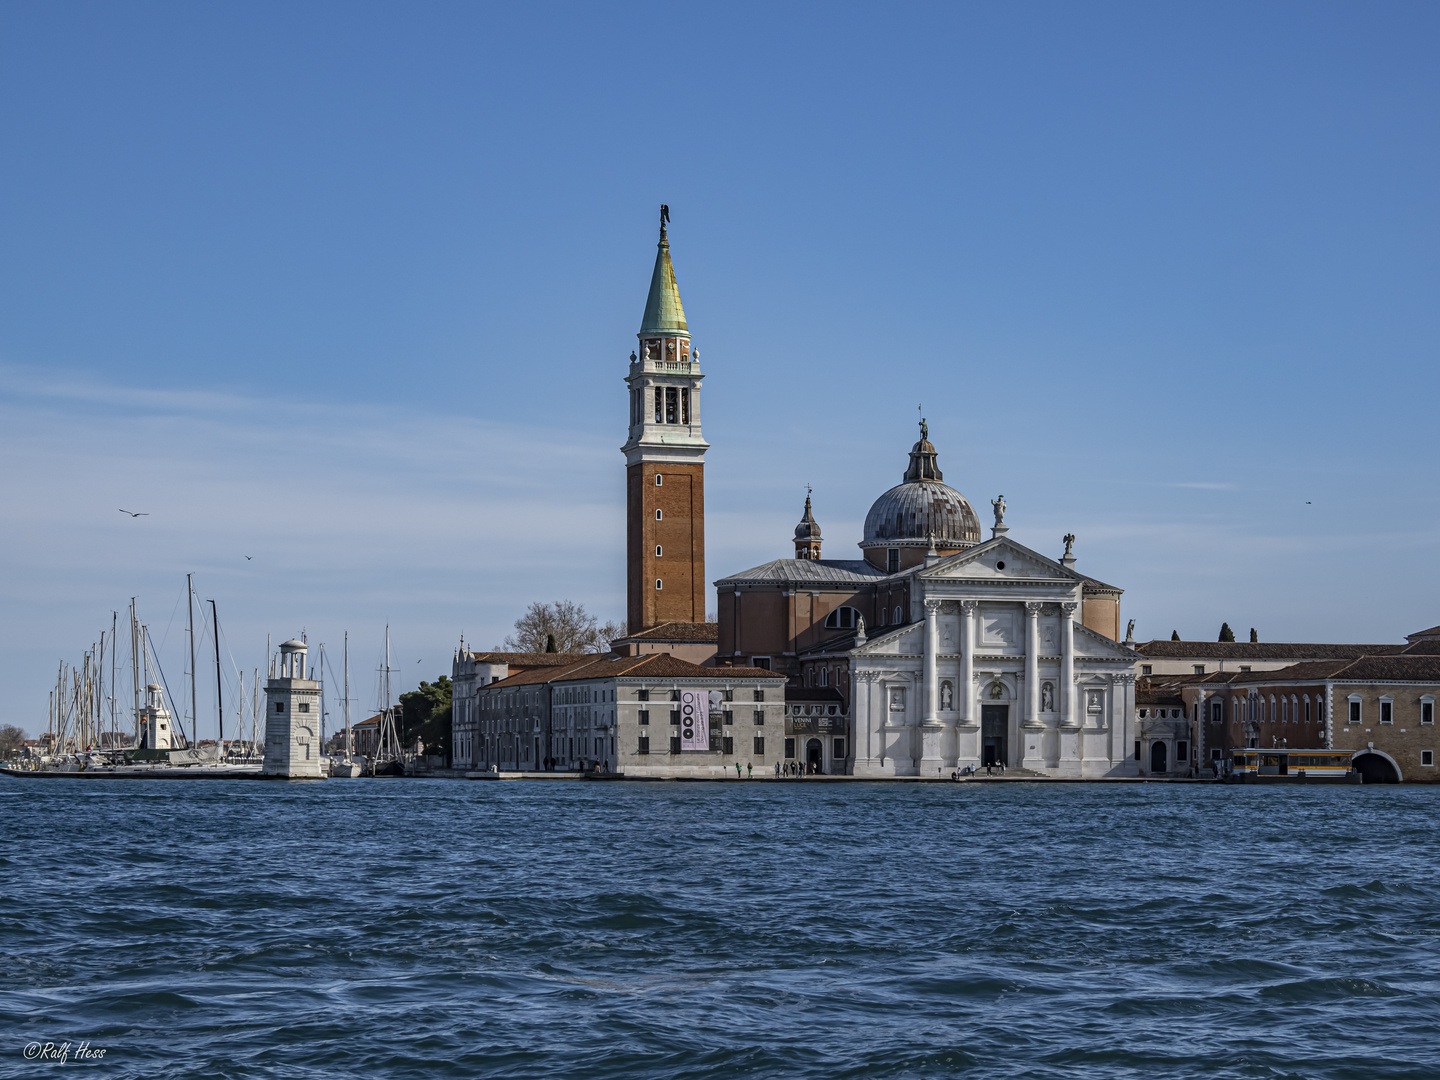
{"type": "Point", "coordinates": [991, 769]}
{"type": "Point", "coordinates": [796, 768]}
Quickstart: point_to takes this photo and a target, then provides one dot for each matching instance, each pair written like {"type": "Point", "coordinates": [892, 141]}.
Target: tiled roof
{"type": "Point", "coordinates": [649, 666]}
{"type": "Point", "coordinates": [1157, 695]}
{"type": "Point", "coordinates": [1413, 668]}
{"type": "Point", "coordinates": [827, 694]}
{"type": "Point", "coordinates": [1261, 650]}
{"type": "Point", "coordinates": [532, 659]}
{"type": "Point", "coordinates": [703, 632]}
{"type": "Point", "coordinates": [807, 571]}
{"type": "Point", "coordinates": [1434, 631]}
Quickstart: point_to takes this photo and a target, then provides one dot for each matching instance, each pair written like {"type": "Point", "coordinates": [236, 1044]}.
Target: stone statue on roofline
{"type": "Point", "coordinates": [999, 505]}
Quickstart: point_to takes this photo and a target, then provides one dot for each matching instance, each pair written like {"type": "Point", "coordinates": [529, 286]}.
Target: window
{"type": "Point", "coordinates": [658, 585]}
{"type": "Point", "coordinates": [674, 744]}
{"type": "Point", "coordinates": [675, 695]}
{"type": "Point", "coordinates": [727, 745]}
{"type": "Point", "coordinates": [1199, 669]}
{"type": "Point", "coordinates": [684, 406]}
{"type": "Point", "coordinates": [760, 662]}
{"type": "Point", "coordinates": [279, 706]}
{"type": "Point", "coordinates": [644, 717]}
{"type": "Point", "coordinates": [789, 748]}
{"type": "Point", "coordinates": [659, 403]}
{"type": "Point", "coordinates": [824, 676]}
{"type": "Point", "coordinates": [1214, 753]}
{"type": "Point", "coordinates": [1307, 708]}
{"type": "Point", "coordinates": [1147, 669]}
{"type": "Point", "coordinates": [1137, 749]}
{"type": "Point", "coordinates": [659, 514]}
{"type": "Point", "coordinates": [1427, 757]}
{"type": "Point", "coordinates": [1217, 712]}
{"type": "Point", "coordinates": [759, 745]}
{"type": "Point", "coordinates": [842, 618]}
{"type": "Point", "coordinates": [674, 717]}
{"type": "Point", "coordinates": [1427, 710]}
{"type": "Point", "coordinates": [729, 695]}
{"type": "Point", "coordinates": [1244, 667]}
{"type": "Point", "coordinates": [839, 749]}
{"type": "Point", "coordinates": [1182, 751]}
{"type": "Point", "coordinates": [672, 404]}
{"type": "Point", "coordinates": [759, 717]}
{"type": "Point", "coordinates": [659, 551]}
{"type": "Point", "coordinates": [659, 480]}
{"type": "Point", "coordinates": [1142, 714]}
{"type": "Point", "coordinates": [642, 695]}
{"type": "Point", "coordinates": [729, 716]}
{"type": "Point", "coordinates": [1354, 709]}
{"type": "Point", "coordinates": [1387, 710]}
{"type": "Point", "coordinates": [892, 562]}
{"type": "Point", "coordinates": [644, 746]}
{"type": "Point", "coordinates": [304, 706]}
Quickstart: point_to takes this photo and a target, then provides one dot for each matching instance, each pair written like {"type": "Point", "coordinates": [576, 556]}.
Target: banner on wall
{"type": "Point", "coordinates": [694, 720]}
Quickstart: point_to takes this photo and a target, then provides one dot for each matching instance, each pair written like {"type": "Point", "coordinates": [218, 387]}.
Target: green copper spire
{"type": "Point", "coordinates": [664, 314]}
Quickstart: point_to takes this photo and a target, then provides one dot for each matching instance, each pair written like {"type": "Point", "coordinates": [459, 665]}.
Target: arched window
{"type": "Point", "coordinates": [824, 676]}
{"type": "Point", "coordinates": [898, 617]}
{"type": "Point", "coordinates": [842, 618]}
{"type": "Point", "coordinates": [659, 514]}
{"type": "Point", "coordinates": [659, 551]}
{"type": "Point", "coordinates": [658, 586]}
{"type": "Point", "coordinates": [659, 480]}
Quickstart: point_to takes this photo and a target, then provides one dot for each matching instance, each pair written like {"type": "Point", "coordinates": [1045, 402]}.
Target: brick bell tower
{"type": "Point", "coordinates": [665, 461]}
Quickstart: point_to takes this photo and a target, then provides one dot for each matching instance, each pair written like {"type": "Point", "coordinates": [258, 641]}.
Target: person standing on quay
{"type": "Point", "coordinates": [749, 770]}
{"type": "Point", "coordinates": [737, 770]}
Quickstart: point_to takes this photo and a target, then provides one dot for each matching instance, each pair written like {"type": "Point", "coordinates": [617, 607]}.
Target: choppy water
{"type": "Point", "coordinates": [438, 928]}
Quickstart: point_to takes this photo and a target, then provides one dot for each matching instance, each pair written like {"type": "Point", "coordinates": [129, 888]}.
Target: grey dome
{"type": "Point", "coordinates": [913, 512]}
{"type": "Point", "coordinates": [923, 507]}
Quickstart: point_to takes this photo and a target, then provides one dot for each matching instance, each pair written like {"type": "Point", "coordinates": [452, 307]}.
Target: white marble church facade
{"type": "Point", "coordinates": [993, 665]}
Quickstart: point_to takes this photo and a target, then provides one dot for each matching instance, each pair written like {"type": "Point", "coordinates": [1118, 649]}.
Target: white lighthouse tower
{"type": "Point", "coordinates": [292, 715]}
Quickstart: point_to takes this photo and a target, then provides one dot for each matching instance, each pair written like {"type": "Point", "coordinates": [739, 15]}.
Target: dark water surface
{"type": "Point", "coordinates": [392, 928]}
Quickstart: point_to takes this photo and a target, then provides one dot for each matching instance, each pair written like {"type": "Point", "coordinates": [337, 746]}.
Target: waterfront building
{"type": "Point", "coordinates": [292, 713]}
{"type": "Point", "coordinates": [469, 672]}
{"type": "Point", "coordinates": [1376, 701]}
{"type": "Point", "coordinates": [630, 714]}
{"type": "Point", "coordinates": [818, 734]}
{"type": "Point", "coordinates": [948, 649]}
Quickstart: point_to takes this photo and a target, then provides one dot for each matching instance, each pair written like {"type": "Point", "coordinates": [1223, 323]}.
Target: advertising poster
{"type": "Point", "coordinates": [694, 720]}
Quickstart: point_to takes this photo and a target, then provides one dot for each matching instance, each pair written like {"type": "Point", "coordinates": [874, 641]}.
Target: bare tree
{"type": "Point", "coordinates": [12, 739]}
{"type": "Point", "coordinates": [571, 628]}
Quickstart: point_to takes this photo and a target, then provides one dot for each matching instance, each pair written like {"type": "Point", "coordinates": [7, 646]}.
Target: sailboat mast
{"type": "Point", "coordinates": [347, 695]}
{"type": "Point", "coordinates": [255, 712]}
{"type": "Point", "coordinates": [114, 648]}
{"type": "Point", "coordinates": [219, 701]}
{"type": "Point", "coordinates": [194, 713]}
{"type": "Point", "coordinates": [135, 667]}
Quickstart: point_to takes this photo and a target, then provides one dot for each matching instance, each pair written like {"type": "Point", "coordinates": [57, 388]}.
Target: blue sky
{"type": "Point", "coordinates": [349, 289]}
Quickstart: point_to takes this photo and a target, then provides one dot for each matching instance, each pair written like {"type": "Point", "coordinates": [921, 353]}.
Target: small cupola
{"type": "Point", "coordinates": [807, 534]}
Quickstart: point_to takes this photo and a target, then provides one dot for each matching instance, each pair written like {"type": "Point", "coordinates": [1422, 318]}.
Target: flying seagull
{"type": "Point", "coordinates": [133, 514]}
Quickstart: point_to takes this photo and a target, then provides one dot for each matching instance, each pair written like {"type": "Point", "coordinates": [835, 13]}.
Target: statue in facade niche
{"type": "Point", "coordinates": [1047, 697]}
{"type": "Point", "coordinates": [999, 505]}
{"type": "Point", "coordinates": [947, 696]}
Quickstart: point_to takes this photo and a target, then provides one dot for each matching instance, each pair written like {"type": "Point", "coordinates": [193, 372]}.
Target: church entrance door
{"type": "Point", "coordinates": [1157, 757]}
{"type": "Point", "coordinates": [814, 756]}
{"type": "Point", "coordinates": [994, 727]}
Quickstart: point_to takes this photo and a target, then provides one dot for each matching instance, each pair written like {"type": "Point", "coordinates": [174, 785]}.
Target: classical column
{"type": "Point", "coordinates": [932, 673]}
{"type": "Point", "coordinates": [965, 692]}
{"type": "Point", "coordinates": [1067, 664]}
{"type": "Point", "coordinates": [1032, 662]}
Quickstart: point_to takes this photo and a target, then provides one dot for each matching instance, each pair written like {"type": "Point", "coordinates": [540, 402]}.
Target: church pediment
{"type": "Point", "coordinates": [906, 640]}
{"type": "Point", "coordinates": [1095, 646]}
{"type": "Point", "coordinates": [999, 560]}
